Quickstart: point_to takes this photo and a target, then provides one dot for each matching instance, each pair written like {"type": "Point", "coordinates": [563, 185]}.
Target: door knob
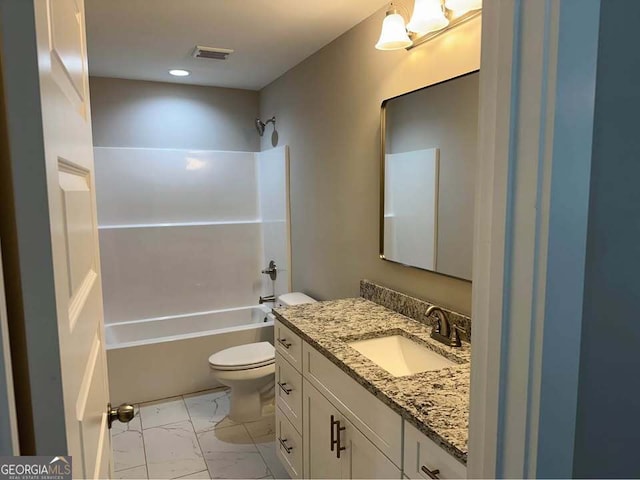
{"type": "Point", "coordinates": [124, 413]}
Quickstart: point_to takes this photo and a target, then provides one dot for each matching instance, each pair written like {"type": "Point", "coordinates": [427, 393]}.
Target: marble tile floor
{"type": "Point", "coordinates": [192, 437]}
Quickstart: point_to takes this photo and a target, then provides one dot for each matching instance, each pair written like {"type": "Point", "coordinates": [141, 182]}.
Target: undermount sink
{"type": "Point", "coordinates": [401, 356]}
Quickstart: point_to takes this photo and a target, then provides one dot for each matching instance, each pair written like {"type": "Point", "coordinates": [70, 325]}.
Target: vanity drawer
{"type": "Point", "coordinates": [288, 445]}
{"type": "Point", "coordinates": [289, 391]}
{"type": "Point", "coordinates": [289, 345]}
{"type": "Point", "coordinates": [420, 451]}
{"type": "Point", "coordinates": [381, 425]}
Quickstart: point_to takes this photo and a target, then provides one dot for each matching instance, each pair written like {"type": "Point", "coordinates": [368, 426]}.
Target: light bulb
{"type": "Point", "coordinates": [428, 16]}
{"type": "Point", "coordinates": [460, 7]}
{"type": "Point", "coordinates": [394, 33]}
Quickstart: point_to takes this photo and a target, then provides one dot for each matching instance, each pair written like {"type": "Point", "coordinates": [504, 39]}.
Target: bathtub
{"type": "Point", "coordinates": [162, 357]}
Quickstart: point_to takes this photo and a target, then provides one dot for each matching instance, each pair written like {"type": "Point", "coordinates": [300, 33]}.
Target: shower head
{"type": "Point", "coordinates": [260, 125]}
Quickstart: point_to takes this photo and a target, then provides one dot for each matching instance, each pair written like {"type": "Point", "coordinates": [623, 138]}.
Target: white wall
{"type": "Point", "coordinates": [328, 112]}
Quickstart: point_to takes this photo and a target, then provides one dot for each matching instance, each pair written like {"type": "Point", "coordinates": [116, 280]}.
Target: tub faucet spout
{"type": "Point", "coordinates": [268, 298]}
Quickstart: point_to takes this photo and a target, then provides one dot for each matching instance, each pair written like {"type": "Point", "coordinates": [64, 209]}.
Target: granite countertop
{"type": "Point", "coordinates": [436, 402]}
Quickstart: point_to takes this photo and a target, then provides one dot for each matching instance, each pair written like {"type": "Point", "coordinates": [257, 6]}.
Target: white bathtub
{"type": "Point", "coordinates": [162, 357]}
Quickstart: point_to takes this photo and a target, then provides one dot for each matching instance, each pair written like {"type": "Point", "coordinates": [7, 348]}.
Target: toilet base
{"type": "Point", "coordinates": [245, 406]}
{"type": "Point", "coordinates": [247, 391]}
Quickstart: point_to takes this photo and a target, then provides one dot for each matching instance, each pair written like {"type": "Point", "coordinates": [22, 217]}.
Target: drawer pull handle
{"type": "Point", "coordinates": [283, 387]}
{"type": "Point", "coordinates": [335, 438]}
{"type": "Point", "coordinates": [283, 342]}
{"type": "Point", "coordinates": [431, 473]}
{"type": "Point", "coordinates": [283, 444]}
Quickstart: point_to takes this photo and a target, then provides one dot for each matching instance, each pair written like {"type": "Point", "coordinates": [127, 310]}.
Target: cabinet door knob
{"type": "Point", "coordinates": [430, 473]}
{"type": "Point", "coordinates": [283, 342]}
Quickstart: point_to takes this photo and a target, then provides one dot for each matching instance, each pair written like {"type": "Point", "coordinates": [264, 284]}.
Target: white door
{"type": "Point", "coordinates": [64, 90]}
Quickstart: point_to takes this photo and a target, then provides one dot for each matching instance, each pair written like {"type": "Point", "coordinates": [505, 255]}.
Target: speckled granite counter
{"type": "Point", "coordinates": [437, 402]}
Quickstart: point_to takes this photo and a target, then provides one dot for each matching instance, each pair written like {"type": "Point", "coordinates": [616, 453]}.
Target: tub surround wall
{"type": "Point", "coordinates": [411, 307]}
{"type": "Point", "coordinates": [328, 111]}
{"type": "Point", "coordinates": [184, 231]}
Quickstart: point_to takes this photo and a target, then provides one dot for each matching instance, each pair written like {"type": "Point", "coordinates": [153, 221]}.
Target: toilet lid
{"type": "Point", "coordinates": [251, 355]}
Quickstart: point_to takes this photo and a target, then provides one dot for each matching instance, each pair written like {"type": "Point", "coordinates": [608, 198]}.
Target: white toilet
{"type": "Point", "coordinates": [249, 369]}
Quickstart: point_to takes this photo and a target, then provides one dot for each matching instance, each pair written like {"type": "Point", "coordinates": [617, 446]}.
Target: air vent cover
{"type": "Point", "coordinates": [211, 53]}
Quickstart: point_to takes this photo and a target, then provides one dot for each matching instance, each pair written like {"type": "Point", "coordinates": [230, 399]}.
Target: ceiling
{"type": "Point", "coordinates": [143, 39]}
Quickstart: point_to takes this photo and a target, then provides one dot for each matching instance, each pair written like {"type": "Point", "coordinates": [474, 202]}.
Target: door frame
{"type": "Point", "coordinates": [9, 443]}
{"type": "Point", "coordinates": [537, 99]}
{"type": "Point", "coordinates": [31, 299]}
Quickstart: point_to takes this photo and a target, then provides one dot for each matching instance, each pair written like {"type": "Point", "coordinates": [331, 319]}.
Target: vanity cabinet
{"type": "Point", "coordinates": [330, 426]}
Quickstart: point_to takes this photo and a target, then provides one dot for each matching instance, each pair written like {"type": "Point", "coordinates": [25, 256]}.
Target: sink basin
{"type": "Point", "coordinates": [400, 356]}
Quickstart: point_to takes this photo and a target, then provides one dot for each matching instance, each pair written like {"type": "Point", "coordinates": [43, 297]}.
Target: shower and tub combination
{"type": "Point", "coordinates": [185, 236]}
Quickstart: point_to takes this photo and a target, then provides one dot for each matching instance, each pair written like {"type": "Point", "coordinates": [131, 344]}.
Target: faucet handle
{"type": "Point", "coordinates": [455, 335]}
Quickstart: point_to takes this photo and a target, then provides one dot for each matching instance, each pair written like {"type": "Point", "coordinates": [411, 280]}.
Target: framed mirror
{"type": "Point", "coordinates": [428, 162]}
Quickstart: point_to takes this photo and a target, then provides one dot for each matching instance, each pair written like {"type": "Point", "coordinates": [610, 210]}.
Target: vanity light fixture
{"type": "Point", "coordinates": [394, 34]}
{"type": "Point", "coordinates": [430, 19]}
{"type": "Point", "coordinates": [178, 72]}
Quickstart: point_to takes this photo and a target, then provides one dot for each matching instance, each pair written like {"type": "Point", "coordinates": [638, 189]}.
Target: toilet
{"type": "Point", "coordinates": [249, 370]}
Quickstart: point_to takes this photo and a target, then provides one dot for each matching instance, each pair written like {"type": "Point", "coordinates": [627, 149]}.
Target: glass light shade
{"type": "Point", "coordinates": [428, 16]}
{"type": "Point", "coordinates": [460, 7]}
{"type": "Point", "coordinates": [394, 34]}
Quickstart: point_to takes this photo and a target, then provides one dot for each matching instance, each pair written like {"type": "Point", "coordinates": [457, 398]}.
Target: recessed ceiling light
{"type": "Point", "coordinates": [179, 73]}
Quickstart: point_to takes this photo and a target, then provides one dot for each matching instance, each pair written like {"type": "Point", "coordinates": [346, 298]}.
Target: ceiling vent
{"type": "Point", "coordinates": [212, 53]}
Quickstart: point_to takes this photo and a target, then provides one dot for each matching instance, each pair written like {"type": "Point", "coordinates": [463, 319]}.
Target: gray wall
{"type": "Point", "coordinates": [134, 113]}
{"type": "Point", "coordinates": [444, 116]}
{"type": "Point", "coordinates": [328, 112]}
{"type": "Point", "coordinates": [608, 425]}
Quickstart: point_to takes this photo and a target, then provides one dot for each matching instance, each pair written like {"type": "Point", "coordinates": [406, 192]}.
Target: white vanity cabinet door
{"type": "Point", "coordinates": [289, 391]}
{"type": "Point", "coordinates": [420, 451]}
{"type": "Point", "coordinates": [319, 460]}
{"type": "Point", "coordinates": [289, 345]}
{"type": "Point", "coordinates": [288, 445]}
{"type": "Point", "coordinates": [364, 459]}
{"type": "Point", "coordinates": [359, 459]}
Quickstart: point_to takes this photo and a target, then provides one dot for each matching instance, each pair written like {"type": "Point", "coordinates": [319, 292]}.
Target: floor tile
{"type": "Point", "coordinates": [132, 473]}
{"type": "Point", "coordinates": [163, 412]}
{"type": "Point", "coordinates": [263, 431]}
{"type": "Point", "coordinates": [236, 465]}
{"type": "Point", "coordinates": [172, 450]}
{"type": "Point", "coordinates": [209, 410]}
{"type": "Point", "coordinates": [270, 457]}
{"type": "Point", "coordinates": [234, 439]}
{"type": "Point", "coordinates": [127, 445]}
{"type": "Point", "coordinates": [203, 474]}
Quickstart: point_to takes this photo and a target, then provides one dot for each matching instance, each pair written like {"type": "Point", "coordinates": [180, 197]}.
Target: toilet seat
{"type": "Point", "coordinates": [243, 357]}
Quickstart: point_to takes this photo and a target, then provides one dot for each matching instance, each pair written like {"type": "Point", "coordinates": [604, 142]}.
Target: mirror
{"type": "Point", "coordinates": [429, 148]}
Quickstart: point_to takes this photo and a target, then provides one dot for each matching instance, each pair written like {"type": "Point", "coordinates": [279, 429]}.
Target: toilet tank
{"type": "Point", "coordinates": [294, 298]}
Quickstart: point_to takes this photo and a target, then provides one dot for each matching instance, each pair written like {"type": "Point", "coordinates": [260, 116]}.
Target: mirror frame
{"type": "Point", "coordinates": [383, 148]}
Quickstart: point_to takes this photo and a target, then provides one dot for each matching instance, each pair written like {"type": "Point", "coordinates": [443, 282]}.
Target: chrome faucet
{"type": "Point", "coordinates": [271, 270]}
{"type": "Point", "coordinates": [268, 298]}
{"type": "Point", "coordinates": [443, 331]}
